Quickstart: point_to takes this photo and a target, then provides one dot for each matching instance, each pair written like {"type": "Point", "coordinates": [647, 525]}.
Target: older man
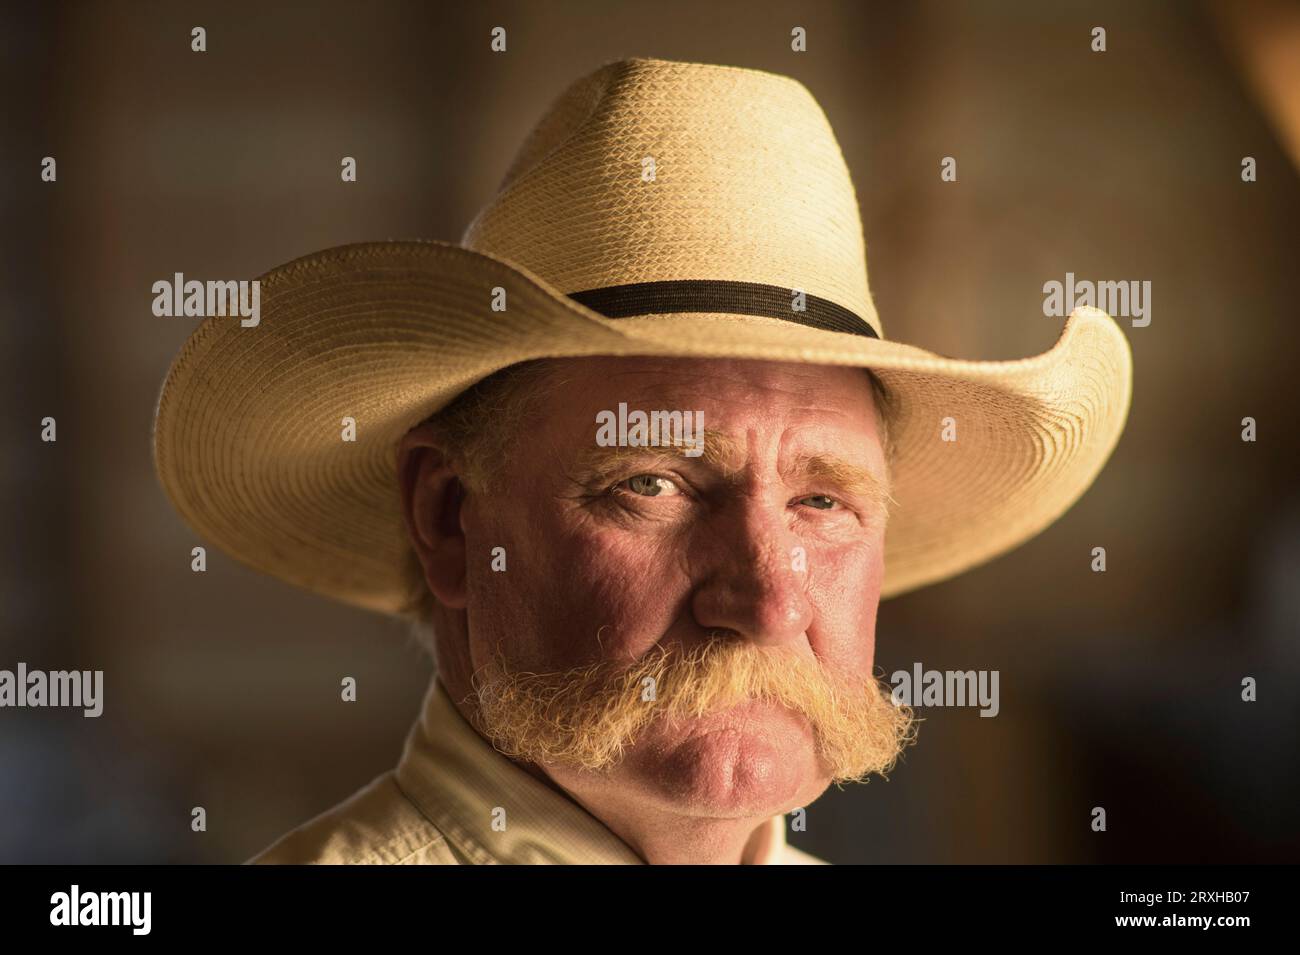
{"type": "Point", "coordinates": [641, 564]}
{"type": "Point", "coordinates": [646, 651]}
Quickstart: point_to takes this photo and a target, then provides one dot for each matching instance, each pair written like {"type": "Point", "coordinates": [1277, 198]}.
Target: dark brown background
{"type": "Point", "coordinates": [1118, 690]}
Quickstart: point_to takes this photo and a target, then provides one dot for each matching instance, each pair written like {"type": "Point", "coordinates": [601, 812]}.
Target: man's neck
{"type": "Point", "coordinates": [659, 837]}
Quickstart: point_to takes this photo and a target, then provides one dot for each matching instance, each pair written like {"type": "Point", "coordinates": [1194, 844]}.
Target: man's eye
{"type": "Point", "coordinates": [650, 485]}
{"type": "Point", "coordinates": [820, 501]}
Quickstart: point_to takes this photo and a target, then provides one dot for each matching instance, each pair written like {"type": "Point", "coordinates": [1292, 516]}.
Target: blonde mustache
{"type": "Point", "coordinates": [588, 717]}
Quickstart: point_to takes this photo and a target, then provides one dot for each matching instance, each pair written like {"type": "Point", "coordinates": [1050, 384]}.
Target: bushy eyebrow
{"type": "Point", "coordinates": [725, 453]}
{"type": "Point", "coordinates": [850, 478]}
{"type": "Point", "coordinates": [721, 451]}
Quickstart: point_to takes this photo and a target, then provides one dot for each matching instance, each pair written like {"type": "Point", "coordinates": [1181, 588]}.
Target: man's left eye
{"type": "Point", "coordinates": [820, 501]}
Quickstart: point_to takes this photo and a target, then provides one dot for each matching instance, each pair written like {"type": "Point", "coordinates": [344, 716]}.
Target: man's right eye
{"type": "Point", "coordinates": [650, 485]}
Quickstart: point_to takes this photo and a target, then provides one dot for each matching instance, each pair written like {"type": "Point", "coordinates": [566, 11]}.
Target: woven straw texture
{"type": "Point", "coordinates": [750, 186]}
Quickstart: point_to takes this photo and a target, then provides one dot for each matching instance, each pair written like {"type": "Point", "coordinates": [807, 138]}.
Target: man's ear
{"type": "Point", "coordinates": [432, 494]}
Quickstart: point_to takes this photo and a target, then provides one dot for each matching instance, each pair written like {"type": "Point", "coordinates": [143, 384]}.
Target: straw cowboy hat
{"type": "Point", "coordinates": [658, 208]}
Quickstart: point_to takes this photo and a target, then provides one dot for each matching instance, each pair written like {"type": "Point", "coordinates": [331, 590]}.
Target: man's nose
{"type": "Point", "coordinates": [749, 583]}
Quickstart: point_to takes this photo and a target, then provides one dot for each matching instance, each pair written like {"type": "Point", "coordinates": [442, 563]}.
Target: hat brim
{"type": "Point", "coordinates": [248, 445]}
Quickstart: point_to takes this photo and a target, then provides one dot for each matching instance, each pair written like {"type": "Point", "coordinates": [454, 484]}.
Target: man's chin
{"type": "Point", "coordinates": [752, 759]}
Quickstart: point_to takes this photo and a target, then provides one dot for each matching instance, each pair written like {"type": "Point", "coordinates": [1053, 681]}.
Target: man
{"type": "Point", "coordinates": [621, 453]}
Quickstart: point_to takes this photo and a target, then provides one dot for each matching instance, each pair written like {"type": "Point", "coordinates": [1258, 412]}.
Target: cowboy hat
{"type": "Point", "coordinates": [658, 208]}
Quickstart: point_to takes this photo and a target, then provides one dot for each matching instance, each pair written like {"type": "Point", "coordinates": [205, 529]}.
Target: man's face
{"type": "Point", "coordinates": [771, 543]}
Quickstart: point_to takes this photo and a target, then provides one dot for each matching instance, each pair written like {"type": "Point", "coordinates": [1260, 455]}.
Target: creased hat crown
{"type": "Point", "coordinates": [656, 171]}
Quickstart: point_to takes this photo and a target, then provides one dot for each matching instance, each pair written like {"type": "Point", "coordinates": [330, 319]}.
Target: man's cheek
{"type": "Point", "coordinates": [844, 589]}
{"type": "Point", "coordinates": [847, 572]}
{"type": "Point", "coordinates": [631, 586]}
{"type": "Point", "coordinates": [525, 556]}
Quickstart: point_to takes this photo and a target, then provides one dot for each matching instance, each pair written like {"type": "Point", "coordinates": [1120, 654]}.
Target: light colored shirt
{"type": "Point", "coordinates": [456, 800]}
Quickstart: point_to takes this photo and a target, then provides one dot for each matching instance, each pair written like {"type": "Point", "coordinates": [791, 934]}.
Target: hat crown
{"type": "Point", "coordinates": [653, 171]}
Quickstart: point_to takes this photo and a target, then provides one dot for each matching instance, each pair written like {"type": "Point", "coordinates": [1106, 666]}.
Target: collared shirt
{"type": "Point", "coordinates": [456, 800]}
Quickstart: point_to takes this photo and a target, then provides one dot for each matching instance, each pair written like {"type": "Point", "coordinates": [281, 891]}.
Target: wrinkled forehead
{"type": "Point", "coordinates": [725, 413]}
{"type": "Point", "coordinates": [726, 385]}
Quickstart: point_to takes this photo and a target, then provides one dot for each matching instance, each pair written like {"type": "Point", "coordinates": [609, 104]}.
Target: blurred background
{"type": "Point", "coordinates": [1120, 690]}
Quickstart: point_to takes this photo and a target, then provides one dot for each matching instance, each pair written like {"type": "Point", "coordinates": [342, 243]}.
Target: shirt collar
{"type": "Point", "coordinates": [495, 812]}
